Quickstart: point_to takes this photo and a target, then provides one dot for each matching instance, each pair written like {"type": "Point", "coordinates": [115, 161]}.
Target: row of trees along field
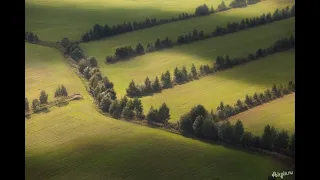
{"type": "Point", "coordinates": [38, 105]}
{"type": "Point", "coordinates": [225, 111]}
{"type": "Point", "coordinates": [202, 124]}
{"type": "Point", "coordinates": [126, 52]}
{"type": "Point", "coordinates": [72, 48]}
{"type": "Point", "coordinates": [181, 76]}
{"type": "Point", "coordinates": [31, 37]}
{"type": "Point", "coordinates": [102, 89]}
{"type": "Point", "coordinates": [98, 31]}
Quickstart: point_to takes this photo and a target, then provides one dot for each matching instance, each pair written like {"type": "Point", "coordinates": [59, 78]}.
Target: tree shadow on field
{"type": "Point", "coordinates": [44, 111]}
{"type": "Point", "coordinates": [139, 156]}
{"type": "Point", "coordinates": [62, 104]}
{"type": "Point", "coordinates": [73, 21]}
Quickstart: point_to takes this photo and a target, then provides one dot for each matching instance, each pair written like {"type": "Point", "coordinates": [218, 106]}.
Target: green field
{"type": "Point", "coordinates": [76, 142]}
{"type": "Point", "coordinates": [227, 86]}
{"type": "Point", "coordinates": [55, 19]}
{"type": "Point", "coordinates": [279, 113]}
{"type": "Point", "coordinates": [46, 69]}
{"type": "Point", "coordinates": [105, 47]}
{"type": "Point", "coordinates": [52, 20]}
{"type": "Point", "coordinates": [201, 52]}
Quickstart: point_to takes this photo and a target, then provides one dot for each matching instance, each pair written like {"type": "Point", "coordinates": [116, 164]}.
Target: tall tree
{"type": "Point", "coordinates": [269, 137]}
{"type": "Point", "coordinates": [132, 90]}
{"type": "Point", "coordinates": [127, 113]}
{"type": "Point", "coordinates": [209, 129]}
{"type": "Point", "coordinates": [194, 71]}
{"type": "Point", "coordinates": [197, 124]}
{"type": "Point", "coordinates": [105, 103]}
{"type": "Point", "coordinates": [156, 85]}
{"type": "Point", "coordinates": [115, 109]}
{"type": "Point", "coordinates": [238, 131]}
{"type": "Point", "coordinates": [164, 113]}
{"type": "Point", "coordinates": [247, 139]}
{"type": "Point", "coordinates": [43, 97]}
{"type": "Point", "coordinates": [152, 115]}
{"type": "Point", "coordinates": [138, 108]}
{"type": "Point", "coordinates": [35, 105]}
{"type": "Point", "coordinates": [184, 73]}
{"type": "Point", "coordinates": [123, 101]}
{"type": "Point", "coordinates": [282, 140]}
{"type": "Point", "coordinates": [148, 85]}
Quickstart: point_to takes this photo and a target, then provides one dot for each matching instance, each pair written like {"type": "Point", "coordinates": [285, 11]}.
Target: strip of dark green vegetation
{"type": "Point", "coordinates": [98, 31]}
{"type": "Point", "coordinates": [182, 76]}
{"type": "Point", "coordinates": [198, 122]}
{"type": "Point", "coordinates": [127, 52]}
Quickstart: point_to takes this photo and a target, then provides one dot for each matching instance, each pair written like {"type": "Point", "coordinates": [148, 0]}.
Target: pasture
{"type": "Point", "coordinates": [46, 69]}
{"type": "Point", "coordinates": [202, 52]}
{"type": "Point", "coordinates": [52, 20]}
{"type": "Point", "coordinates": [107, 46]}
{"type": "Point", "coordinates": [227, 86]}
{"type": "Point", "coordinates": [77, 142]}
{"type": "Point", "coordinates": [279, 113]}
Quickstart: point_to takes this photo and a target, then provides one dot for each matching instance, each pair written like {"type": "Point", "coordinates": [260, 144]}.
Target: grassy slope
{"type": "Point", "coordinates": [46, 69]}
{"type": "Point", "coordinates": [226, 86]}
{"type": "Point", "coordinates": [52, 20]}
{"type": "Point", "coordinates": [105, 47]}
{"type": "Point", "coordinates": [202, 52]}
{"type": "Point", "coordinates": [279, 113]}
{"type": "Point", "coordinates": [76, 142]}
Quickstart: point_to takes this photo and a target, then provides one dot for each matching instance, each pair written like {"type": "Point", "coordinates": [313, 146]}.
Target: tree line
{"type": "Point", "coordinates": [242, 3]}
{"type": "Point", "coordinates": [39, 104]}
{"type": "Point", "coordinates": [225, 111]}
{"type": "Point", "coordinates": [181, 76]}
{"type": "Point", "coordinates": [72, 48]}
{"type": "Point", "coordinates": [196, 35]}
{"type": "Point", "coordinates": [102, 89]}
{"type": "Point", "coordinates": [280, 45]}
{"type": "Point", "coordinates": [160, 116]}
{"type": "Point", "coordinates": [101, 31]}
{"type": "Point", "coordinates": [202, 124]}
{"type": "Point", "coordinates": [31, 37]}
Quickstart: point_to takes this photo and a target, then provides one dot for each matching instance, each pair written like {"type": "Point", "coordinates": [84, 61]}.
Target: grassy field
{"type": "Point", "coordinates": [202, 52]}
{"type": "Point", "coordinates": [55, 19]}
{"type": "Point", "coordinates": [52, 20]}
{"type": "Point", "coordinates": [46, 69]}
{"type": "Point", "coordinates": [105, 47]}
{"type": "Point", "coordinates": [76, 142]}
{"type": "Point", "coordinates": [279, 113]}
{"type": "Point", "coordinates": [226, 86]}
